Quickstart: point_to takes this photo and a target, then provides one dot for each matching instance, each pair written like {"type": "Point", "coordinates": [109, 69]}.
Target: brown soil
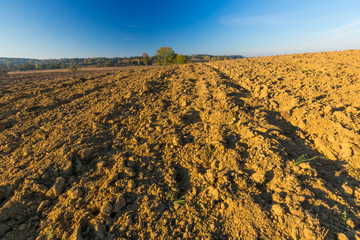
{"type": "Point", "coordinates": [198, 151]}
{"type": "Point", "coordinates": [82, 69]}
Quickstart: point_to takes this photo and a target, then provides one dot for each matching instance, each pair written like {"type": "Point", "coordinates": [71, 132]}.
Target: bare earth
{"type": "Point", "coordinates": [198, 151]}
{"type": "Point", "coordinates": [83, 69]}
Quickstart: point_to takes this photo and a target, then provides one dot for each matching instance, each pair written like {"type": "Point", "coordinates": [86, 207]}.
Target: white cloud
{"type": "Point", "coordinates": [339, 32]}
{"type": "Point", "coordinates": [346, 36]}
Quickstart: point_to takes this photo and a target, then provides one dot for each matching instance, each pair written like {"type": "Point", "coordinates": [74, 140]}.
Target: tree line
{"type": "Point", "coordinates": [164, 56]}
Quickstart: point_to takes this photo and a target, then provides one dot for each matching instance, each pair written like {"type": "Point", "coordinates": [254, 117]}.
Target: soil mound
{"type": "Point", "coordinates": [259, 148]}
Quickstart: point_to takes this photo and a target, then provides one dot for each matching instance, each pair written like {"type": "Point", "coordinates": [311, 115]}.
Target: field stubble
{"type": "Point", "coordinates": [197, 151]}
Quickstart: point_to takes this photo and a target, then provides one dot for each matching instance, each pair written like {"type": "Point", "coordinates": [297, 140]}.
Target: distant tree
{"type": "Point", "coordinates": [145, 58]}
{"type": "Point", "coordinates": [41, 66]}
{"type": "Point", "coordinates": [180, 59]}
{"type": "Point", "coordinates": [73, 68]}
{"type": "Point", "coordinates": [165, 55]}
{"type": "Point", "coordinates": [207, 58]}
{"type": "Point", "coordinates": [109, 63]}
{"type": "Point", "coordinates": [26, 66]}
{"type": "Point", "coordinates": [9, 65]}
{"type": "Point", "coordinates": [134, 62]}
{"type": "Point", "coordinates": [3, 72]}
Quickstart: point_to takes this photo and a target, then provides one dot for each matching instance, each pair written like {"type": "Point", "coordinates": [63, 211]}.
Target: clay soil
{"type": "Point", "coordinates": [198, 151]}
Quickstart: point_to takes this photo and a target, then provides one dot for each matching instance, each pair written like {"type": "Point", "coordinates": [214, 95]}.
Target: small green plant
{"type": "Point", "coordinates": [208, 150]}
{"type": "Point", "coordinates": [50, 233]}
{"type": "Point", "coordinates": [170, 194]}
{"type": "Point", "coordinates": [181, 201]}
{"type": "Point", "coordinates": [303, 158]}
{"type": "Point", "coordinates": [305, 71]}
{"type": "Point", "coordinates": [343, 222]}
{"type": "Point", "coordinates": [357, 174]}
{"type": "Point", "coordinates": [172, 197]}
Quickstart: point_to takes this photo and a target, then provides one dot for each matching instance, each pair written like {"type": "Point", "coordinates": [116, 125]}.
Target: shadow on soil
{"type": "Point", "coordinates": [332, 212]}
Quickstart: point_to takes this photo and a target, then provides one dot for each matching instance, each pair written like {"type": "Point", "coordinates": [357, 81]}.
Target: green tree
{"type": "Point", "coordinates": [165, 55]}
{"type": "Point", "coordinates": [3, 72]}
{"type": "Point", "coordinates": [145, 58]}
{"type": "Point", "coordinates": [180, 59]}
{"type": "Point", "coordinates": [109, 63]}
{"type": "Point", "coordinates": [73, 68]}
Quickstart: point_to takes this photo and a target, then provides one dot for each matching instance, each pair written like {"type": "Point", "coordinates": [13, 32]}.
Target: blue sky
{"type": "Point", "coordinates": [109, 28]}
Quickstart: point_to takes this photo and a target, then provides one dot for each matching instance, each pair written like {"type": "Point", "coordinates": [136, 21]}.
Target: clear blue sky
{"type": "Point", "coordinates": [110, 28]}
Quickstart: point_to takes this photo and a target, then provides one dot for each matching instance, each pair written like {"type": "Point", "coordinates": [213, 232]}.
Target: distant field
{"type": "Point", "coordinates": [256, 148]}
{"type": "Point", "coordinates": [82, 69]}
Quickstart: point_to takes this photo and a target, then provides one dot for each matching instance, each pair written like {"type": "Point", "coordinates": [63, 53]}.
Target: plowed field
{"type": "Point", "coordinates": [257, 148]}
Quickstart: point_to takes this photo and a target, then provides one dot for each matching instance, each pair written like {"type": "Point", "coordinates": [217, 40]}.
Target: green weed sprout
{"type": "Point", "coordinates": [343, 224]}
{"type": "Point", "coordinates": [303, 158]}
{"type": "Point", "coordinates": [208, 151]}
{"type": "Point", "coordinates": [51, 233]}
{"type": "Point", "coordinates": [180, 201]}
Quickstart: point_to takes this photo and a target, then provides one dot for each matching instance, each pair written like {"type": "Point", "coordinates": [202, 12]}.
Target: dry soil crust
{"type": "Point", "coordinates": [198, 151]}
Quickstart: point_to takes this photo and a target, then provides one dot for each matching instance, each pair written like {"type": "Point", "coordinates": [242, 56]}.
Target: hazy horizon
{"type": "Point", "coordinates": [81, 29]}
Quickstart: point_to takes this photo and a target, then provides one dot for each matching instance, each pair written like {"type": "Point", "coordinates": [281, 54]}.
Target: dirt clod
{"type": "Point", "coordinates": [119, 204]}
{"type": "Point", "coordinates": [57, 188]}
{"type": "Point", "coordinates": [277, 209]}
{"type": "Point", "coordinates": [43, 205]}
{"type": "Point", "coordinates": [75, 193]}
{"type": "Point", "coordinates": [342, 236]}
{"type": "Point", "coordinates": [259, 176]}
{"type": "Point", "coordinates": [106, 209]}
